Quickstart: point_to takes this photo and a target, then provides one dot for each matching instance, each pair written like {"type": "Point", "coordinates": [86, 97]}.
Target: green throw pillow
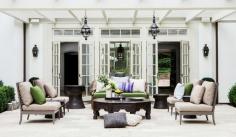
{"type": "Point", "coordinates": [188, 88]}
{"type": "Point", "coordinates": [37, 95]}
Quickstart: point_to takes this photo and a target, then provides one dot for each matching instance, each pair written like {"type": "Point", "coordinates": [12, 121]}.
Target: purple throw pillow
{"type": "Point", "coordinates": [129, 87]}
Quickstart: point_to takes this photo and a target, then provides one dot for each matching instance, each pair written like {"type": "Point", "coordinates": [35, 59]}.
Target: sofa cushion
{"type": "Point", "coordinates": [139, 84]}
{"type": "Point", "coordinates": [133, 119]}
{"type": "Point", "coordinates": [208, 96]}
{"type": "Point", "coordinates": [115, 120]}
{"type": "Point", "coordinates": [198, 82]}
{"type": "Point", "coordinates": [40, 84]}
{"type": "Point", "coordinates": [37, 94]}
{"type": "Point", "coordinates": [50, 91]}
{"type": "Point", "coordinates": [173, 100]}
{"type": "Point", "coordinates": [99, 86]}
{"type": "Point", "coordinates": [102, 94]}
{"type": "Point", "coordinates": [24, 89]}
{"type": "Point", "coordinates": [48, 106]}
{"type": "Point", "coordinates": [197, 94]}
{"type": "Point", "coordinates": [190, 107]}
{"type": "Point", "coordinates": [119, 81]}
{"type": "Point", "coordinates": [64, 99]}
{"type": "Point", "coordinates": [179, 91]}
{"type": "Point", "coordinates": [129, 86]}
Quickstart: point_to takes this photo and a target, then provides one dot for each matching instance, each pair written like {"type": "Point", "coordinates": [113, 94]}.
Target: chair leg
{"type": "Point", "coordinates": [53, 118]}
{"type": "Point", "coordinates": [180, 118]}
{"type": "Point", "coordinates": [20, 118]}
{"type": "Point", "coordinates": [176, 115]}
{"type": "Point", "coordinates": [168, 108]}
{"type": "Point", "coordinates": [28, 116]}
{"type": "Point", "coordinates": [213, 118]}
{"type": "Point", "coordinates": [64, 109]}
{"type": "Point", "coordinates": [207, 117]}
{"type": "Point", "coordinates": [171, 109]}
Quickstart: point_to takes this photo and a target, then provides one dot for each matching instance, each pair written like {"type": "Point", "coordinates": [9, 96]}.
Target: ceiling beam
{"type": "Point", "coordinates": [73, 15]}
{"type": "Point", "coordinates": [53, 20]}
{"type": "Point", "coordinates": [222, 15]}
{"type": "Point", "coordinates": [105, 16]}
{"type": "Point", "coordinates": [161, 18]}
{"type": "Point", "coordinates": [135, 16]}
{"type": "Point", "coordinates": [25, 20]}
{"type": "Point", "coordinates": [194, 15]}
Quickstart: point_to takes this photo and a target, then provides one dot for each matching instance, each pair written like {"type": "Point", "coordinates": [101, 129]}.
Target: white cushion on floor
{"type": "Point", "coordinates": [133, 119]}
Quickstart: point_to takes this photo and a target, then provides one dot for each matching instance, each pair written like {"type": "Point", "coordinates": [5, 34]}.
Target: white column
{"type": "Point", "coordinates": [206, 64]}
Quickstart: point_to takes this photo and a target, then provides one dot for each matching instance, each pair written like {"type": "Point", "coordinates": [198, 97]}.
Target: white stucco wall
{"type": "Point", "coordinates": [227, 55]}
{"type": "Point", "coordinates": [11, 50]}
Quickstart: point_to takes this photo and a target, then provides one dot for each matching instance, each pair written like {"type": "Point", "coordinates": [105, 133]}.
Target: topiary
{"type": "Point", "coordinates": [232, 95]}
{"type": "Point", "coordinates": [3, 101]}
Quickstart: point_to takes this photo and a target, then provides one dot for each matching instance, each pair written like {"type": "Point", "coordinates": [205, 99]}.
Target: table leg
{"type": "Point", "coordinates": [95, 114]}
{"type": "Point", "coordinates": [148, 111]}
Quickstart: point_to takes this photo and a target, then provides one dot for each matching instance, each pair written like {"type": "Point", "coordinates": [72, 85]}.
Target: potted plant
{"type": "Point", "coordinates": [232, 95]}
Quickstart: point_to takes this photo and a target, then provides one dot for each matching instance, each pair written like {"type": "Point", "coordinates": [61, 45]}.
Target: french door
{"type": "Point", "coordinates": [152, 66]}
{"type": "Point", "coordinates": [136, 59]}
{"type": "Point", "coordinates": [56, 65]}
{"type": "Point", "coordinates": [184, 48]}
{"type": "Point", "coordinates": [104, 58]}
{"type": "Point", "coordinates": [86, 64]}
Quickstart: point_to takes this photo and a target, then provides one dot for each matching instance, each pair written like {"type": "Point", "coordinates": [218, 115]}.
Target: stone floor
{"type": "Point", "coordinates": [79, 123]}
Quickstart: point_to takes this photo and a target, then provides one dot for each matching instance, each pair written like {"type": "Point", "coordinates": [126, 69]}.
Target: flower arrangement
{"type": "Point", "coordinates": [108, 84]}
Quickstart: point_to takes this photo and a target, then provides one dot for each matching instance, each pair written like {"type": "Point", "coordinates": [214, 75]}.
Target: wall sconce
{"type": "Point", "coordinates": [35, 51]}
{"type": "Point", "coordinates": [205, 50]}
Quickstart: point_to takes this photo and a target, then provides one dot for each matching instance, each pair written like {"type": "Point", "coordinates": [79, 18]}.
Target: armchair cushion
{"type": "Point", "coordinates": [40, 84]}
{"type": "Point", "coordinates": [173, 100]}
{"type": "Point", "coordinates": [37, 95]}
{"type": "Point", "coordinates": [179, 91]}
{"type": "Point", "coordinates": [59, 98]}
{"type": "Point", "coordinates": [197, 94]}
{"type": "Point", "coordinates": [190, 107]}
{"type": "Point", "coordinates": [208, 96]}
{"type": "Point", "coordinates": [24, 89]}
{"type": "Point", "coordinates": [50, 90]}
{"type": "Point", "coordinates": [48, 106]}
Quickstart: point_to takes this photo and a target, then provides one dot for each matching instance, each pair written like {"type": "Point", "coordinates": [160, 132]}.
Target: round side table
{"type": "Point", "coordinates": [75, 96]}
{"type": "Point", "coordinates": [160, 101]}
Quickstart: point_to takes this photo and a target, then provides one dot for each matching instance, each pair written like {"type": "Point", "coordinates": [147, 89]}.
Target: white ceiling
{"type": "Point", "coordinates": [55, 11]}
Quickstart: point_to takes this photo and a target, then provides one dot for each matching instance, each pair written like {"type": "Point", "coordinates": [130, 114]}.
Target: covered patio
{"type": "Point", "coordinates": [140, 49]}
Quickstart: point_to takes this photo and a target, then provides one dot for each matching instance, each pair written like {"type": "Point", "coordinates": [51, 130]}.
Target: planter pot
{"type": "Point", "coordinates": [108, 93]}
{"type": "Point", "coordinates": [12, 106]}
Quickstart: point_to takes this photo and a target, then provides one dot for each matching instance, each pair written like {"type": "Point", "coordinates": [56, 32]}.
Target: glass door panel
{"type": "Point", "coordinates": [152, 66]}
{"type": "Point", "coordinates": [136, 53]}
{"type": "Point", "coordinates": [104, 63]}
{"type": "Point", "coordinates": [86, 64]}
{"type": "Point", "coordinates": [56, 66]}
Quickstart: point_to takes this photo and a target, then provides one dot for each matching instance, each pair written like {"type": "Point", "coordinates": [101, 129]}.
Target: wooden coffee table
{"type": "Point", "coordinates": [127, 104]}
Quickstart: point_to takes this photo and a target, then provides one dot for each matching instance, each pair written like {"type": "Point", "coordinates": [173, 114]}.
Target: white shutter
{"type": "Point", "coordinates": [56, 66]}
{"type": "Point", "coordinates": [184, 61]}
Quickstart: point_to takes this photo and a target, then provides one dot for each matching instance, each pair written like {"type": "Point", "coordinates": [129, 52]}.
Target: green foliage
{"type": "Point", "coordinates": [3, 101]}
{"type": "Point", "coordinates": [9, 91]}
{"type": "Point", "coordinates": [164, 62]}
{"type": "Point", "coordinates": [232, 95]}
{"type": "Point", "coordinates": [104, 79]}
{"type": "Point", "coordinates": [1, 83]}
{"type": "Point", "coordinates": [7, 95]}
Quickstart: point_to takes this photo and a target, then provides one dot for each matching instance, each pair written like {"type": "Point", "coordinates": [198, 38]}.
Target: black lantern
{"type": "Point", "coordinates": [85, 30]}
{"type": "Point", "coordinates": [120, 52]}
{"type": "Point", "coordinates": [205, 50]}
{"type": "Point", "coordinates": [35, 51]}
{"type": "Point", "coordinates": [154, 30]}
